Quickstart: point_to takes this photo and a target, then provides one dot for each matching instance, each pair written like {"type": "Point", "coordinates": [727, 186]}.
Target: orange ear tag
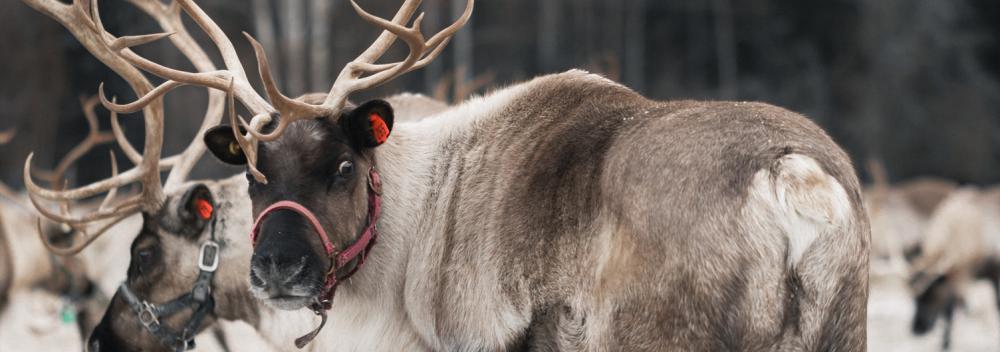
{"type": "Point", "coordinates": [379, 130]}
{"type": "Point", "coordinates": [204, 208]}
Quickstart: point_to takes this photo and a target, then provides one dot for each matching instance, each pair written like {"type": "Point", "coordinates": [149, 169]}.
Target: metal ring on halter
{"type": "Point", "coordinates": [203, 254]}
{"type": "Point", "coordinates": [199, 300]}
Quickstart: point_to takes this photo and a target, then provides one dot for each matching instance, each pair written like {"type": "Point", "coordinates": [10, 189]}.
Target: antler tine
{"type": "Point", "coordinates": [148, 169]}
{"type": "Point", "coordinates": [82, 232]}
{"type": "Point", "coordinates": [116, 130]}
{"type": "Point", "coordinates": [437, 42]}
{"type": "Point", "coordinates": [82, 19]}
{"type": "Point", "coordinates": [422, 52]}
{"type": "Point", "coordinates": [169, 18]}
{"type": "Point", "coordinates": [244, 142]}
{"type": "Point", "coordinates": [241, 85]}
{"type": "Point", "coordinates": [386, 38]}
{"type": "Point", "coordinates": [94, 138]}
{"type": "Point", "coordinates": [291, 110]}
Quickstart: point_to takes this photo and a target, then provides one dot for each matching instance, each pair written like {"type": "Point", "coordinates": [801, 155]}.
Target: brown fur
{"type": "Point", "coordinates": [498, 239]}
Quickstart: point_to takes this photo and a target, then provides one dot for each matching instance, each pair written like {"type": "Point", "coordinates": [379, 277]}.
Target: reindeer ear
{"type": "Point", "coordinates": [369, 124]}
{"type": "Point", "coordinates": [222, 143]}
{"type": "Point", "coordinates": [196, 209]}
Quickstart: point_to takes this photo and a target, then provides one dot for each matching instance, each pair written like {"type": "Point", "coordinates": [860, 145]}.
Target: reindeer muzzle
{"type": "Point", "coordinates": [339, 260]}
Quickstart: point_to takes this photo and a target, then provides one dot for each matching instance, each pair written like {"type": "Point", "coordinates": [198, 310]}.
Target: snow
{"type": "Point", "coordinates": [890, 313]}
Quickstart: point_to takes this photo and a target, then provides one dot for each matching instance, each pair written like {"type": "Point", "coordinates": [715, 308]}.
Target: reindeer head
{"type": "Point", "coordinates": [183, 274]}
{"type": "Point", "coordinates": [317, 154]}
{"type": "Point", "coordinates": [321, 165]}
{"type": "Point", "coordinates": [933, 300]}
{"type": "Point", "coordinates": [317, 206]}
{"type": "Point", "coordinates": [177, 250]}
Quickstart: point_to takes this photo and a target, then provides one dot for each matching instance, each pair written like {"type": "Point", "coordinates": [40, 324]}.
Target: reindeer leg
{"type": "Point", "coordinates": [949, 313]}
{"type": "Point", "coordinates": [995, 280]}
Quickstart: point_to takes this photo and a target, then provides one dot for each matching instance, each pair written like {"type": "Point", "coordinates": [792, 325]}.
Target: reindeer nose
{"type": "Point", "coordinates": [285, 262]}
{"type": "Point", "coordinates": [921, 325]}
{"type": "Point", "coordinates": [276, 271]}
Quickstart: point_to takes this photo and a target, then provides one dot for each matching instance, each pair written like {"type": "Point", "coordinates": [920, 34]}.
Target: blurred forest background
{"type": "Point", "coordinates": [914, 83]}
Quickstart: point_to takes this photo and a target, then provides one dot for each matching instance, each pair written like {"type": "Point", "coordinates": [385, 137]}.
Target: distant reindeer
{"type": "Point", "coordinates": [25, 264]}
{"type": "Point", "coordinates": [459, 86]}
{"type": "Point", "coordinates": [899, 216]}
{"type": "Point", "coordinates": [962, 245]}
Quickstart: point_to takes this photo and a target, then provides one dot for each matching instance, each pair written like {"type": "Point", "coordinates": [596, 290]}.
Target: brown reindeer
{"type": "Point", "coordinates": [567, 212]}
{"type": "Point", "coordinates": [175, 257]}
{"type": "Point", "coordinates": [962, 246]}
{"type": "Point", "coordinates": [25, 264]}
{"type": "Point", "coordinates": [179, 215]}
{"type": "Point", "coordinates": [899, 216]}
{"type": "Point", "coordinates": [163, 261]}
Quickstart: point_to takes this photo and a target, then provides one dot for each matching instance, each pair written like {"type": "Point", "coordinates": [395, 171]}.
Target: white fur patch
{"type": "Point", "coordinates": [804, 201]}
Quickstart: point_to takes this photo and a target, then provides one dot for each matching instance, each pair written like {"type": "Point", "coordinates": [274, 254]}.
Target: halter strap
{"type": "Point", "coordinates": [338, 260]}
{"type": "Point", "coordinates": [199, 299]}
{"type": "Point", "coordinates": [358, 250]}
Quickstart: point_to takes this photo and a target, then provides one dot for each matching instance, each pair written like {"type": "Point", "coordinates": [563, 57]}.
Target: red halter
{"type": "Point", "coordinates": [362, 246]}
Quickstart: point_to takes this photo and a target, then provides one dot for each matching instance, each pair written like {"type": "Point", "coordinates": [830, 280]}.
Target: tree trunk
{"type": "Point", "coordinates": [463, 40]}
{"type": "Point", "coordinates": [294, 44]}
{"type": "Point", "coordinates": [635, 45]}
{"type": "Point", "coordinates": [548, 35]}
{"type": "Point", "coordinates": [319, 48]}
{"type": "Point", "coordinates": [725, 49]}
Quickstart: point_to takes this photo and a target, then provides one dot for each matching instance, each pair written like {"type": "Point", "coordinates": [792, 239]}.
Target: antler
{"type": "Point", "coordinates": [361, 73]}
{"type": "Point", "coordinates": [82, 19]}
{"type": "Point", "coordinates": [352, 78]}
{"type": "Point", "coordinates": [94, 138]}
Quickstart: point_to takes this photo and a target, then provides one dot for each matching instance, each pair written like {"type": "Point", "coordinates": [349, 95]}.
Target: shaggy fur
{"type": "Point", "coordinates": [570, 213]}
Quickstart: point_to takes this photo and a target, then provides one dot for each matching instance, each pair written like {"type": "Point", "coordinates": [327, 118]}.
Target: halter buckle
{"type": "Point", "coordinates": [147, 316]}
{"type": "Point", "coordinates": [209, 251]}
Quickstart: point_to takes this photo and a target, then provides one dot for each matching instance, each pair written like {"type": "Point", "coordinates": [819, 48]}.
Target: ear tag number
{"type": "Point", "coordinates": [204, 208]}
{"type": "Point", "coordinates": [379, 130]}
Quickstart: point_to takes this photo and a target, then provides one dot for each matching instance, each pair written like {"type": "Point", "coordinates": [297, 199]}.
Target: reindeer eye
{"type": "Point", "coordinates": [345, 168]}
{"type": "Point", "coordinates": [145, 257]}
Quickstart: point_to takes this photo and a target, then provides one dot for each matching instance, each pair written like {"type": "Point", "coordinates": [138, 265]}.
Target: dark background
{"type": "Point", "coordinates": [913, 83]}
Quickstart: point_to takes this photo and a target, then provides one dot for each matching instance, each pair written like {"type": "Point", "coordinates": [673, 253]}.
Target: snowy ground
{"type": "Point", "coordinates": [890, 312]}
{"type": "Point", "coordinates": [32, 323]}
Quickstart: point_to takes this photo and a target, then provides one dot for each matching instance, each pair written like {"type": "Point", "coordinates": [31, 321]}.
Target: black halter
{"type": "Point", "coordinates": [199, 300]}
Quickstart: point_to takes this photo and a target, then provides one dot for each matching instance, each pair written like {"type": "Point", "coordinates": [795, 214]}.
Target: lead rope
{"type": "Point", "coordinates": [317, 308]}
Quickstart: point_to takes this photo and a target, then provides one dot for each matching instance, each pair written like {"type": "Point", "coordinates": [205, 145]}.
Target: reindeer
{"type": "Point", "coordinates": [899, 215]}
{"type": "Point", "coordinates": [175, 240]}
{"type": "Point", "coordinates": [567, 212]}
{"type": "Point", "coordinates": [161, 213]}
{"type": "Point", "coordinates": [177, 257]}
{"type": "Point", "coordinates": [25, 265]}
{"type": "Point", "coordinates": [962, 245]}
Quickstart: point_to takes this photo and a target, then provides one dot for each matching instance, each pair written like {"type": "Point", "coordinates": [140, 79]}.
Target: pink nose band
{"type": "Point", "coordinates": [359, 249]}
{"type": "Point", "coordinates": [301, 210]}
